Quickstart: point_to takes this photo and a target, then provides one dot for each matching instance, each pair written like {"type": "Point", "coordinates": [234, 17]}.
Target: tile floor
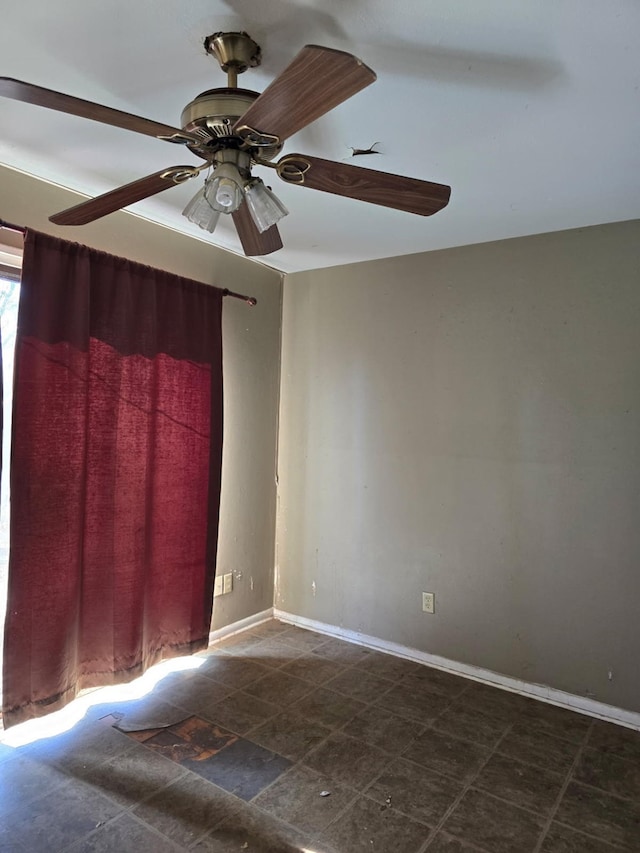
{"type": "Point", "coordinates": [414, 760]}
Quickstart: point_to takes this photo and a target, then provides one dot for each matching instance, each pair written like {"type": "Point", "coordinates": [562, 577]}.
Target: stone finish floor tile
{"type": "Point", "coordinates": [388, 666]}
{"type": "Point", "coordinates": [346, 653]}
{"type": "Point", "coordinates": [243, 769]}
{"type": "Point", "coordinates": [366, 828]}
{"type": "Point", "coordinates": [409, 700]}
{"type": "Point", "coordinates": [290, 735]}
{"type": "Point", "coordinates": [465, 722]}
{"type": "Point", "coordinates": [602, 815]}
{"type": "Point", "coordinates": [617, 740]}
{"type": "Point", "coordinates": [232, 671]}
{"type": "Point", "coordinates": [146, 712]}
{"type": "Point", "coordinates": [360, 685]}
{"type": "Point", "coordinates": [350, 761]}
{"type": "Point", "coordinates": [253, 830]}
{"type": "Point", "coordinates": [301, 638]}
{"type": "Point", "coordinates": [10, 845]}
{"type": "Point", "coordinates": [239, 644]}
{"type": "Point", "coordinates": [492, 701]}
{"type": "Point", "coordinates": [520, 784]}
{"type": "Point", "coordinates": [383, 729]}
{"type": "Point", "coordinates": [328, 708]}
{"type": "Point", "coordinates": [186, 809]}
{"type": "Point", "coordinates": [297, 799]}
{"type": "Point", "coordinates": [415, 791]}
{"type": "Point", "coordinates": [561, 839]}
{"type": "Point", "coordinates": [557, 721]}
{"type": "Point", "coordinates": [60, 818]}
{"type": "Point", "coordinates": [313, 668]}
{"type": "Point", "coordinates": [603, 770]}
{"type": "Point", "coordinates": [82, 746]}
{"type": "Point", "coordinates": [239, 712]}
{"type": "Point", "coordinates": [134, 776]}
{"type": "Point", "coordinates": [443, 843]}
{"type": "Point", "coordinates": [270, 628]}
{"type": "Point", "coordinates": [273, 652]}
{"type": "Point", "coordinates": [191, 691]}
{"type": "Point", "coordinates": [450, 756]}
{"type": "Point", "coordinates": [24, 779]}
{"type": "Point", "coordinates": [494, 825]}
{"type": "Point", "coordinates": [125, 834]}
{"type": "Point", "coordinates": [438, 681]}
{"type": "Point", "coordinates": [279, 688]}
{"type": "Point", "coordinates": [532, 746]}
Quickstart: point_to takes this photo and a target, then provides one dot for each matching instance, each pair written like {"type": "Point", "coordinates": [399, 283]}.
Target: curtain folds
{"type": "Point", "coordinates": [115, 473]}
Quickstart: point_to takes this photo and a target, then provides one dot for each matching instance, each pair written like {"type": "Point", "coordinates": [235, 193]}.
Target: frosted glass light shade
{"type": "Point", "coordinates": [200, 212]}
{"type": "Point", "coordinates": [265, 208]}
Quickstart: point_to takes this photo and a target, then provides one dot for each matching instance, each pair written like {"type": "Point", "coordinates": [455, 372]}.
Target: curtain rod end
{"type": "Point", "coordinates": [250, 300]}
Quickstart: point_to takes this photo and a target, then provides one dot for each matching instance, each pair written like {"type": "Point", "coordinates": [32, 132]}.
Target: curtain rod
{"type": "Point", "coordinates": [11, 227]}
{"type": "Point", "coordinates": [250, 300]}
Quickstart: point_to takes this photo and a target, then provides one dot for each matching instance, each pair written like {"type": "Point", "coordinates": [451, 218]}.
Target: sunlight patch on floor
{"type": "Point", "coordinates": [62, 721]}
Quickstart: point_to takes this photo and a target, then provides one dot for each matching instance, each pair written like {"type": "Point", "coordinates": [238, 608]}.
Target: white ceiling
{"type": "Point", "coordinates": [529, 109]}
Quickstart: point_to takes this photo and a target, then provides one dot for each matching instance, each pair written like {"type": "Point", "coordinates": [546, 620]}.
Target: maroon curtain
{"type": "Point", "coordinates": [115, 473]}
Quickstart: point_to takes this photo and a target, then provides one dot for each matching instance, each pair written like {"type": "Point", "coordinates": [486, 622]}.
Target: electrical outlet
{"type": "Point", "coordinates": [227, 583]}
{"type": "Point", "coordinates": [218, 586]}
{"type": "Point", "coordinates": [429, 602]}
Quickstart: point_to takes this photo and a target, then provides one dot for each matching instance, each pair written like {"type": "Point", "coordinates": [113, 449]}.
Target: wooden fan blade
{"type": "Point", "coordinates": [100, 206]}
{"type": "Point", "coordinates": [316, 81]}
{"type": "Point", "coordinates": [253, 241]}
{"type": "Point", "coordinates": [18, 90]}
{"type": "Point", "coordinates": [409, 194]}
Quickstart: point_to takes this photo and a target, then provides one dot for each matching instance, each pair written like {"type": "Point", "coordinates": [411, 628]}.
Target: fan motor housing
{"type": "Point", "coordinates": [213, 113]}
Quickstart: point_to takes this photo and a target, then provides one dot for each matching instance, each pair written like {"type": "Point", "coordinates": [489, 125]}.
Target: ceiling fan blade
{"type": "Point", "coordinates": [18, 90]}
{"type": "Point", "coordinates": [316, 81]}
{"type": "Point", "coordinates": [253, 241]}
{"type": "Point", "coordinates": [100, 206]}
{"type": "Point", "coordinates": [396, 191]}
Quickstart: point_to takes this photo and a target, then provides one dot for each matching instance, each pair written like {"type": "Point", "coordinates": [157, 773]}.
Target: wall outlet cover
{"type": "Point", "coordinates": [429, 602]}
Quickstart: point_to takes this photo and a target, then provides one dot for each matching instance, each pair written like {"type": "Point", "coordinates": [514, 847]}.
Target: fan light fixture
{"type": "Point", "coordinates": [225, 191]}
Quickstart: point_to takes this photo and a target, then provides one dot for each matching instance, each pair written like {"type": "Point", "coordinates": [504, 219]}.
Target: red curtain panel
{"type": "Point", "coordinates": [115, 473]}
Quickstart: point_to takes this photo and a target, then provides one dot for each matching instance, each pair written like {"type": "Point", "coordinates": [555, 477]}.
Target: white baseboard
{"type": "Point", "coordinates": [584, 705]}
{"type": "Point", "coordinates": [241, 625]}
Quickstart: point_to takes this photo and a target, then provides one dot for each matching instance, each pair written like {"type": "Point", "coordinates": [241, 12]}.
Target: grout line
{"type": "Point", "coordinates": [563, 789]}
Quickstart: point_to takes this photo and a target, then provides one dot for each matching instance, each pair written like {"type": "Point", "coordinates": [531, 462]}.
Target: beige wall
{"type": "Point", "coordinates": [467, 422]}
{"type": "Point", "coordinates": [251, 341]}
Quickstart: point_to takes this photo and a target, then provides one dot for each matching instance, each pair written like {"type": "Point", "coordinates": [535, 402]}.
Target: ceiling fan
{"type": "Point", "coordinates": [234, 130]}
